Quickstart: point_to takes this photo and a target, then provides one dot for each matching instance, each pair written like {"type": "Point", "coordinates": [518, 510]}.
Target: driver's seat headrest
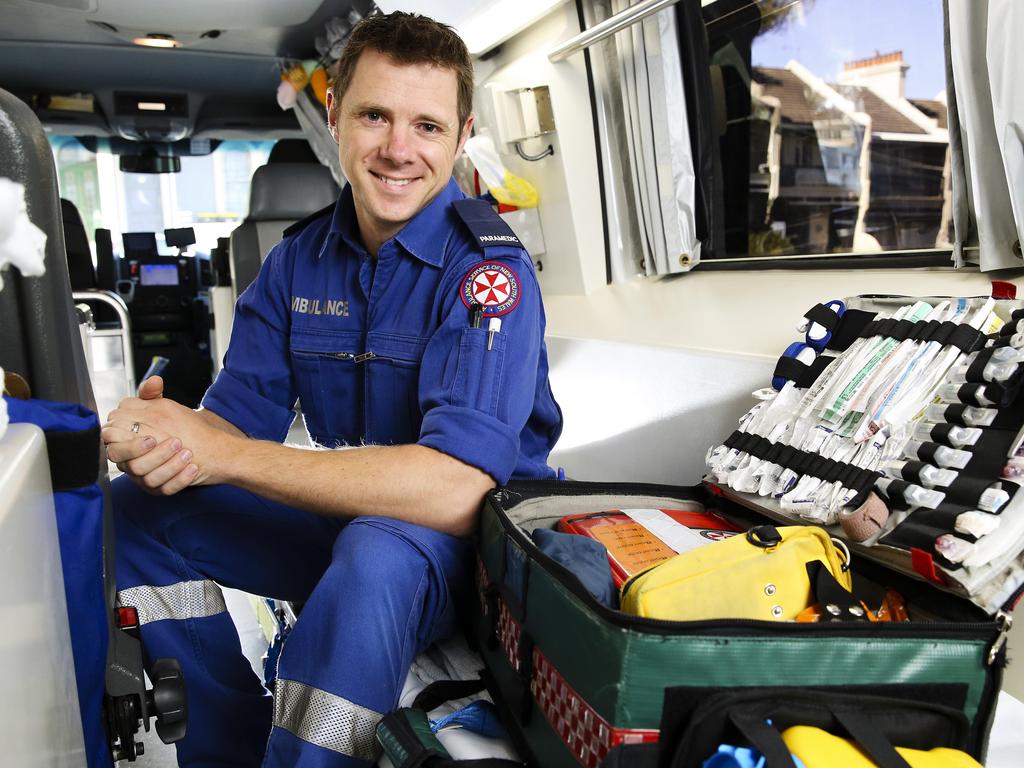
{"type": "Point", "coordinates": [290, 191]}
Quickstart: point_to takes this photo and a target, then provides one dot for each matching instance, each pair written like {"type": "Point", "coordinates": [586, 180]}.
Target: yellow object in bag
{"type": "Point", "coordinates": [762, 575]}
{"type": "Point", "coordinates": [820, 749]}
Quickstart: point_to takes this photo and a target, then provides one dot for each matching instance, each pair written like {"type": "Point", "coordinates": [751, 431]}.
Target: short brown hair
{"type": "Point", "coordinates": [409, 38]}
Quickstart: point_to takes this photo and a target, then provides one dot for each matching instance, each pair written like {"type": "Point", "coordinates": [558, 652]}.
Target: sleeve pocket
{"type": "Point", "coordinates": [478, 375]}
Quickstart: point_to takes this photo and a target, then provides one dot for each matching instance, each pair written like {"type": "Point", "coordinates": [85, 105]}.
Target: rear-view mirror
{"type": "Point", "coordinates": [150, 164]}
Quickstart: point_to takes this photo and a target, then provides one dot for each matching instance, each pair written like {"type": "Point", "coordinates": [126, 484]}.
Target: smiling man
{"type": "Point", "coordinates": [407, 321]}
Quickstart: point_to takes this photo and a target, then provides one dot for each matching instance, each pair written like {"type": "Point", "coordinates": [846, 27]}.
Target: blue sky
{"type": "Point", "coordinates": [825, 33]}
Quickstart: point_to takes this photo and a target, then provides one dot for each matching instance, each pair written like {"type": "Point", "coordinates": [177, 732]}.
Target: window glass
{"type": "Point", "coordinates": [834, 127]}
{"type": "Point", "coordinates": [210, 194]}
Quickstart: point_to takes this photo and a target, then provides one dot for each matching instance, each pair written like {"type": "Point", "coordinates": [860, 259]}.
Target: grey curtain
{"type": "Point", "coordinates": [650, 188]}
{"type": "Point", "coordinates": [314, 127]}
{"type": "Point", "coordinates": [986, 127]}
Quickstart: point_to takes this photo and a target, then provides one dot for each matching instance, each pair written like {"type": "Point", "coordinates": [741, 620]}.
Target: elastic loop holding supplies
{"type": "Point", "coordinates": [824, 316]}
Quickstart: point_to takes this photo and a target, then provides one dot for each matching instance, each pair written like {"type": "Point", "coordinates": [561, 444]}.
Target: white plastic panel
{"type": "Point", "coordinates": [39, 718]}
{"type": "Point", "coordinates": [646, 414]}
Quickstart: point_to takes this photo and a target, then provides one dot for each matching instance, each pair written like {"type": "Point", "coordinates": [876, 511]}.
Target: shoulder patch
{"type": "Point", "coordinates": [493, 285]}
{"type": "Point", "coordinates": [485, 225]}
{"type": "Point", "coordinates": [301, 223]}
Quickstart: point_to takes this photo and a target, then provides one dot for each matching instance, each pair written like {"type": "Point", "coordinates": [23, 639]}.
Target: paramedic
{"type": "Point", "coordinates": [407, 321]}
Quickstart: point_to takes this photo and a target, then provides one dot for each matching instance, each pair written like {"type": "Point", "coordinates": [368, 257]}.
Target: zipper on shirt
{"type": "Point", "coordinates": [336, 355]}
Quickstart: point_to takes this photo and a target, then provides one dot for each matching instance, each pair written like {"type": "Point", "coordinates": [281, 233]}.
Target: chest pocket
{"type": "Point", "coordinates": [330, 384]}
{"type": "Point", "coordinates": [392, 369]}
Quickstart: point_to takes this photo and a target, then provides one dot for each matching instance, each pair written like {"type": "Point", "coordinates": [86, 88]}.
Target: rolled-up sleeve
{"type": "Point", "coordinates": [476, 401]}
{"type": "Point", "coordinates": [255, 390]}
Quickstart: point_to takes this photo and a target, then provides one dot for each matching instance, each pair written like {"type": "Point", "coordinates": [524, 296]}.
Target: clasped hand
{"type": "Point", "coordinates": [162, 445]}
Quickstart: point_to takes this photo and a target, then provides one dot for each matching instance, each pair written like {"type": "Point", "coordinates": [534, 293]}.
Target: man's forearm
{"type": "Point", "coordinates": [219, 422]}
{"type": "Point", "coordinates": [408, 482]}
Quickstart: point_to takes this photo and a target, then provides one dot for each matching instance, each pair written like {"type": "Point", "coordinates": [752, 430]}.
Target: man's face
{"type": "Point", "coordinates": [398, 138]}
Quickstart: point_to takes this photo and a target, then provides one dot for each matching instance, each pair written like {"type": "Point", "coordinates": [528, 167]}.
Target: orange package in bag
{"type": "Point", "coordinates": [639, 538]}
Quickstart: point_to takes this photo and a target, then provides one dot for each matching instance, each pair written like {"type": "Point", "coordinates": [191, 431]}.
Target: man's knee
{"type": "Point", "coordinates": [378, 554]}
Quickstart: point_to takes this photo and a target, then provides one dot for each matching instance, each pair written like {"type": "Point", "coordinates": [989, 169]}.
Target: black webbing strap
{"type": "Point", "coordinates": [903, 329]}
{"type": "Point", "coordinates": [440, 691]}
{"type": "Point", "coordinates": [942, 518]}
{"type": "Point", "coordinates": [928, 450]}
{"type": "Point", "coordinates": [849, 329]}
{"type": "Point", "coordinates": [911, 471]}
{"type": "Point", "coordinates": [988, 456]}
{"type": "Point", "coordinates": [963, 337]}
{"type": "Point", "coordinates": [74, 458]}
{"type": "Point", "coordinates": [917, 533]}
{"type": "Point", "coordinates": [982, 393]}
{"type": "Point", "coordinates": [944, 332]}
{"type": "Point", "coordinates": [976, 370]}
{"type": "Point", "coordinates": [822, 315]}
{"type": "Point", "coordinates": [790, 368]}
{"type": "Point", "coordinates": [940, 433]}
{"type": "Point", "coordinates": [967, 489]}
{"type": "Point", "coordinates": [894, 493]}
{"type": "Point", "coordinates": [814, 370]}
{"type": "Point", "coordinates": [925, 331]}
{"type": "Point", "coordinates": [967, 339]}
{"type": "Point", "coordinates": [804, 463]}
{"type": "Point", "coordinates": [1005, 417]}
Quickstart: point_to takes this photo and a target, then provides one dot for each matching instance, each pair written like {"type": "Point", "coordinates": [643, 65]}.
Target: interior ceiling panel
{"type": "Point", "coordinates": [259, 27]}
{"type": "Point", "coordinates": [63, 46]}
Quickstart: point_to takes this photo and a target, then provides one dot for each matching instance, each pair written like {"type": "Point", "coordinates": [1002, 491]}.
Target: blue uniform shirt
{"type": "Point", "coordinates": [382, 352]}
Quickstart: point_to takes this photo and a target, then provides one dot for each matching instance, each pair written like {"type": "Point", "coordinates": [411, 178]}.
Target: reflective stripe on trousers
{"type": "Point", "coordinates": [327, 720]}
{"type": "Point", "coordinates": [184, 600]}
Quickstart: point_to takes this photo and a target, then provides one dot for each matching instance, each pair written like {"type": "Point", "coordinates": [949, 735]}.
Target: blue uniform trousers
{"type": "Point", "coordinates": [376, 590]}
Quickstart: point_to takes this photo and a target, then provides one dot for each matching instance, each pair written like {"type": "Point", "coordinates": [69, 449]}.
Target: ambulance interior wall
{"type": "Point", "coordinates": [651, 373]}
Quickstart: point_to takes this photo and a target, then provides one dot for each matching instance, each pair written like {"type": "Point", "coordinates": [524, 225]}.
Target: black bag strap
{"type": "Point", "coordinates": [764, 738]}
{"type": "Point", "coordinates": [870, 738]}
{"type": "Point", "coordinates": [437, 693]}
{"type": "Point", "coordinates": [837, 604]}
{"type": "Point", "coordinates": [768, 740]}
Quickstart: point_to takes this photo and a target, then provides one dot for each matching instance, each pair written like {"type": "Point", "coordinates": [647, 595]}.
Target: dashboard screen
{"type": "Point", "coordinates": [158, 274]}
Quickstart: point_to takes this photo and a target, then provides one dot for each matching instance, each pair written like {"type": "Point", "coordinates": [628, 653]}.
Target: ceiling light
{"type": "Point", "coordinates": [157, 41]}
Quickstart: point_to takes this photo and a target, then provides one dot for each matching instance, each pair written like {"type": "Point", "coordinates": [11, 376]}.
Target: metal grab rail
{"type": "Point", "coordinates": [111, 299]}
{"type": "Point", "coordinates": [608, 27]}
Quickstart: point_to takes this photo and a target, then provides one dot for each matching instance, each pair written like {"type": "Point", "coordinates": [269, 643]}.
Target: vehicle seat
{"type": "Point", "coordinates": [76, 243]}
{"type": "Point", "coordinates": [281, 194]}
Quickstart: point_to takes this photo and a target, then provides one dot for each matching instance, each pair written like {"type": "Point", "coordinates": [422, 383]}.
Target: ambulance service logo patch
{"type": "Point", "coordinates": [492, 285]}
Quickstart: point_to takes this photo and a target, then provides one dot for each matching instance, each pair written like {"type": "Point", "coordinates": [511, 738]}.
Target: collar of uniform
{"type": "Point", "coordinates": [423, 237]}
{"type": "Point", "coordinates": [426, 235]}
{"type": "Point", "coordinates": [344, 224]}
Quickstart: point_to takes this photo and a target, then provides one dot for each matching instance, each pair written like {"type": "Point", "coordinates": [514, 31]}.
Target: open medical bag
{"type": "Point", "coordinates": [579, 683]}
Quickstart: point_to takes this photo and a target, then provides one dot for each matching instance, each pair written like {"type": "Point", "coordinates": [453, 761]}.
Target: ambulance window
{"type": "Point", "coordinates": [834, 125]}
{"type": "Point", "coordinates": [209, 194]}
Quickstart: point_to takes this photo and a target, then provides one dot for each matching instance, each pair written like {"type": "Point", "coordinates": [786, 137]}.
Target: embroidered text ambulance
{"type": "Point", "coordinates": [338, 308]}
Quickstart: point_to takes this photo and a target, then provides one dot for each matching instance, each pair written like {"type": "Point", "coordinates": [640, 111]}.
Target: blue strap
{"type": "Point", "coordinates": [478, 716]}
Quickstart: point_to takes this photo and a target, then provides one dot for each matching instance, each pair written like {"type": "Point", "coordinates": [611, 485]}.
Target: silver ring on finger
{"type": "Point", "coordinates": [135, 427]}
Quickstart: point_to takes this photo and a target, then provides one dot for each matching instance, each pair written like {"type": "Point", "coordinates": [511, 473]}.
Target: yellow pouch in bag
{"type": "Point", "coordinates": [820, 749]}
{"type": "Point", "coordinates": [762, 575]}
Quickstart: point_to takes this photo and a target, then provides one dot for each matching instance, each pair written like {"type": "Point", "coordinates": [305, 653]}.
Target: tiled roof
{"type": "Point", "coordinates": [791, 92]}
{"type": "Point", "coordinates": [934, 109]}
{"type": "Point", "coordinates": [802, 106]}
